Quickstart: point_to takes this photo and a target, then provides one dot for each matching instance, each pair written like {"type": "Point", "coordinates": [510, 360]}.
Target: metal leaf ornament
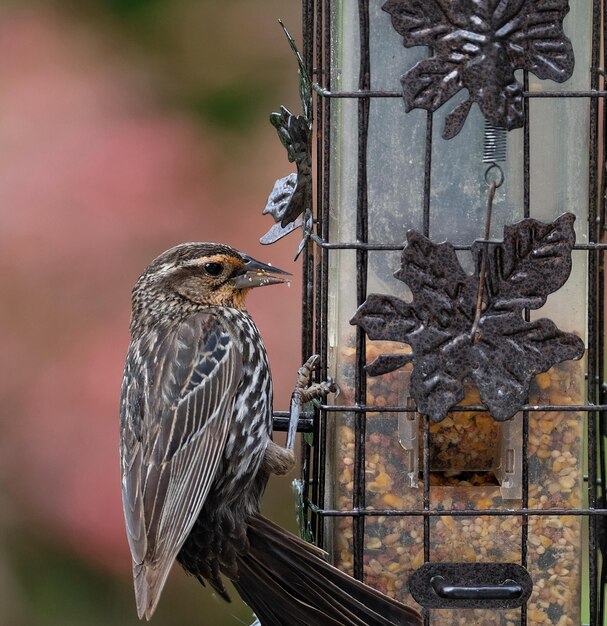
{"type": "Point", "coordinates": [505, 351]}
{"type": "Point", "coordinates": [477, 45]}
{"type": "Point", "coordinates": [291, 196]}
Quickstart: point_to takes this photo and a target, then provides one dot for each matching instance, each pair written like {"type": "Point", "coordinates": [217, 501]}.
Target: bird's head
{"type": "Point", "coordinates": [191, 275]}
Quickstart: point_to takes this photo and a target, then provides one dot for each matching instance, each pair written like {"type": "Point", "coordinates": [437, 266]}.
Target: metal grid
{"type": "Point", "coordinates": [316, 54]}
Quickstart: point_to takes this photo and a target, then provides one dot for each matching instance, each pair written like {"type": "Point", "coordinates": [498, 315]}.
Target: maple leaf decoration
{"type": "Point", "coordinates": [291, 196]}
{"type": "Point", "coordinates": [478, 45]}
{"type": "Point", "coordinates": [506, 351]}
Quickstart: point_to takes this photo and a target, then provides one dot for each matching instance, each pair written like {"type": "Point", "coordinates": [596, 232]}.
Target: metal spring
{"type": "Point", "coordinates": [495, 146]}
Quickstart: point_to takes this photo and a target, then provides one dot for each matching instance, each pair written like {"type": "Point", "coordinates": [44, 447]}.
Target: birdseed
{"type": "Point", "coordinates": [463, 450]}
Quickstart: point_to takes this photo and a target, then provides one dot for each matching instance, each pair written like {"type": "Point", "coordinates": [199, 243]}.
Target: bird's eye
{"type": "Point", "coordinates": [214, 269]}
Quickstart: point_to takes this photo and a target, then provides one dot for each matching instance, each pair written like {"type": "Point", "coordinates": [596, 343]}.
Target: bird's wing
{"type": "Point", "coordinates": [176, 409]}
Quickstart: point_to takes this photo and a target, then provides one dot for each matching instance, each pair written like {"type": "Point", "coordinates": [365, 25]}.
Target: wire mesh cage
{"type": "Point", "coordinates": [453, 268]}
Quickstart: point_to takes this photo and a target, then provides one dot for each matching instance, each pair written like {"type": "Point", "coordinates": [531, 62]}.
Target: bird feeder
{"type": "Point", "coordinates": [453, 289]}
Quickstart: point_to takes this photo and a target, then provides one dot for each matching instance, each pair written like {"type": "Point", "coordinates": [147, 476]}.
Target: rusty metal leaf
{"type": "Point", "coordinates": [478, 46]}
{"type": "Point", "coordinates": [506, 352]}
{"type": "Point", "coordinates": [292, 195]}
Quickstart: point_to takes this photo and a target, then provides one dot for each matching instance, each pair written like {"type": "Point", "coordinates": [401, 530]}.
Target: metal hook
{"type": "Point", "coordinates": [499, 181]}
{"type": "Point", "coordinates": [493, 185]}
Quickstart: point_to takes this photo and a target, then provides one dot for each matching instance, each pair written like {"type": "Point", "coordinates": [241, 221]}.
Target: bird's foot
{"type": "Point", "coordinates": [306, 391]}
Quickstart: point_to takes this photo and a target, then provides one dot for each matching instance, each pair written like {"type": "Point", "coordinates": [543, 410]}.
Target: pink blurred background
{"type": "Point", "coordinates": [125, 127]}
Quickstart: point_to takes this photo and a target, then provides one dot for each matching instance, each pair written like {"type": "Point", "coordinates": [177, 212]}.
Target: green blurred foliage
{"type": "Point", "coordinates": [233, 107]}
{"type": "Point", "coordinates": [133, 9]}
{"type": "Point", "coordinates": [58, 589]}
{"type": "Point", "coordinates": [226, 62]}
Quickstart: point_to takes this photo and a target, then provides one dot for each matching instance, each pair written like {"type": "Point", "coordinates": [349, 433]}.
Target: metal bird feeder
{"type": "Point", "coordinates": [453, 287]}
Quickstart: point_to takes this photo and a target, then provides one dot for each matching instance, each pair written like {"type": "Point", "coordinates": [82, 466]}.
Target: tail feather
{"type": "Point", "coordinates": [312, 603]}
{"type": "Point", "coordinates": [273, 601]}
{"type": "Point", "coordinates": [149, 582]}
{"type": "Point", "coordinates": [357, 594]}
{"type": "Point", "coordinates": [284, 578]}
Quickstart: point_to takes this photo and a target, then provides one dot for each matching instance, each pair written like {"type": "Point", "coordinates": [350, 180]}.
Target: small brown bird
{"type": "Point", "coordinates": [196, 450]}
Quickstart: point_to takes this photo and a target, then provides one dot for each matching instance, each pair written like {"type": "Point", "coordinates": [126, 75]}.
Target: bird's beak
{"type": "Point", "coordinates": [257, 274]}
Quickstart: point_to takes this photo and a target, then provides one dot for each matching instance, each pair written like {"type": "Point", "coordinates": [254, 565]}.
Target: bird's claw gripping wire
{"type": "Point", "coordinates": [306, 391]}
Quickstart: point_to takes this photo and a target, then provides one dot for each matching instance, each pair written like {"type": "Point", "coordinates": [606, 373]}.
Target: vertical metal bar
{"type": "Point", "coordinates": [318, 441]}
{"type": "Point", "coordinates": [602, 431]}
{"type": "Point", "coordinates": [320, 207]}
{"type": "Point", "coordinates": [426, 500]}
{"type": "Point", "coordinates": [602, 84]}
{"type": "Point", "coordinates": [525, 436]}
{"type": "Point", "coordinates": [323, 165]}
{"type": "Point", "coordinates": [307, 296]}
{"type": "Point", "coordinates": [307, 300]}
{"type": "Point", "coordinates": [601, 271]}
{"type": "Point", "coordinates": [426, 434]}
{"type": "Point", "coordinates": [307, 21]}
{"type": "Point", "coordinates": [592, 318]}
{"type": "Point", "coordinates": [364, 83]}
{"type": "Point", "coordinates": [427, 176]}
{"type": "Point", "coordinates": [306, 452]}
{"type": "Point", "coordinates": [526, 150]}
{"type": "Point", "coordinates": [592, 436]}
{"type": "Point", "coordinates": [525, 502]}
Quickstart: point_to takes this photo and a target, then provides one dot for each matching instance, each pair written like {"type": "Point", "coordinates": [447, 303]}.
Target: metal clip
{"type": "Point", "coordinates": [509, 465]}
{"type": "Point", "coordinates": [408, 433]}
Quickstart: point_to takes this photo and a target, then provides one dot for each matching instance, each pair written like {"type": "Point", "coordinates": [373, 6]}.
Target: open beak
{"type": "Point", "coordinates": [257, 274]}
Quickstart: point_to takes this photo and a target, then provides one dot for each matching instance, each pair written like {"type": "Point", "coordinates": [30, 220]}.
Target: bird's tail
{"type": "Point", "coordinates": [288, 582]}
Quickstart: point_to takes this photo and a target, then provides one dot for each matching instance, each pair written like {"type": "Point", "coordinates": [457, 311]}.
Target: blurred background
{"type": "Point", "coordinates": [126, 127]}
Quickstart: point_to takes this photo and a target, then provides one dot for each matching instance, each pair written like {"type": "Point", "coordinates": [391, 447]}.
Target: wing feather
{"type": "Point", "coordinates": [176, 410]}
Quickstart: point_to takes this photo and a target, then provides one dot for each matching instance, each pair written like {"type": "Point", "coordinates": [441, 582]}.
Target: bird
{"type": "Point", "coordinates": [196, 450]}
